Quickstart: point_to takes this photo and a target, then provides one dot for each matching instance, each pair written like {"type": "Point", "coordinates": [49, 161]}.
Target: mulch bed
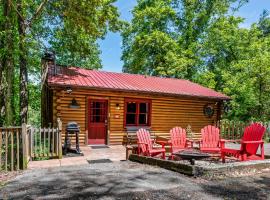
{"type": "Point", "coordinates": [210, 169]}
{"type": "Point", "coordinates": [7, 176]}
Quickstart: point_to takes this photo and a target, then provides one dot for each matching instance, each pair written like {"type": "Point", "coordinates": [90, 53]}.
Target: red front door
{"type": "Point", "coordinates": [97, 121]}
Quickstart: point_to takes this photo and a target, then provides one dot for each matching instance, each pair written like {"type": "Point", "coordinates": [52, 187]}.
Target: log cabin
{"type": "Point", "coordinates": [107, 104]}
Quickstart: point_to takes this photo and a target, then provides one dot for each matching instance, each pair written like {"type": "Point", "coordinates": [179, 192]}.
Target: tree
{"type": "Point", "coordinates": [264, 23]}
{"type": "Point", "coordinates": [164, 37]}
{"type": "Point", "coordinates": [81, 23]}
{"type": "Point", "coordinates": [8, 56]}
{"type": "Point", "coordinates": [236, 62]}
{"type": "Point", "coordinates": [149, 45]}
{"type": "Point", "coordinates": [69, 27]}
{"type": "Point", "coordinates": [74, 47]}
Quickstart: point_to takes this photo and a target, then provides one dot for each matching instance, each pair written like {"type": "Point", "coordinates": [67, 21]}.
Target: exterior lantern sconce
{"type": "Point", "coordinates": [208, 110]}
{"type": "Point", "coordinates": [68, 90]}
{"type": "Point", "coordinates": [74, 104]}
{"type": "Point", "coordinates": [226, 106]}
{"type": "Point", "coordinates": [117, 106]}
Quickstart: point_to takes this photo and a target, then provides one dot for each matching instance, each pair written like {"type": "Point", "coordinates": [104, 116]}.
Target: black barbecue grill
{"type": "Point", "coordinates": [71, 129]}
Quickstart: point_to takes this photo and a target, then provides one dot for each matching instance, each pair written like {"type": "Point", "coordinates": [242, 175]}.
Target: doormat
{"type": "Point", "coordinates": [100, 147]}
{"type": "Point", "coordinates": [99, 161]}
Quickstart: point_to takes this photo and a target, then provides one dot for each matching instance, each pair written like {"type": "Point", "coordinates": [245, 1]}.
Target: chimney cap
{"type": "Point", "coordinates": [49, 56]}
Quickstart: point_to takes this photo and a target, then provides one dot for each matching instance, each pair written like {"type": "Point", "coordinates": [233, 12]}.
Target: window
{"type": "Point", "coordinates": [137, 112]}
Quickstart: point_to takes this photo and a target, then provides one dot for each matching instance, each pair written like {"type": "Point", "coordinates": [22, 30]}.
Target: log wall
{"type": "Point", "coordinates": [167, 112]}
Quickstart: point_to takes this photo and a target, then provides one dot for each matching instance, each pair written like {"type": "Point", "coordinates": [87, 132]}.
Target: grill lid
{"type": "Point", "coordinates": [72, 126]}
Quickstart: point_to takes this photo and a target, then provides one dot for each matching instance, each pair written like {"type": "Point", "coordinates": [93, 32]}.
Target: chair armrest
{"type": "Point", "coordinates": [253, 142]}
{"type": "Point", "coordinates": [223, 140]}
{"type": "Point", "coordinates": [140, 143]}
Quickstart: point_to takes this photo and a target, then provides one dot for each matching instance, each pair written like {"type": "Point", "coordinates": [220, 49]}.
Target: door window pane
{"type": "Point", "coordinates": [98, 112]}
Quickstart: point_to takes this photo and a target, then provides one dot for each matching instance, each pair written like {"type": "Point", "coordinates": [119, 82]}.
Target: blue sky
{"type": "Point", "coordinates": [111, 45]}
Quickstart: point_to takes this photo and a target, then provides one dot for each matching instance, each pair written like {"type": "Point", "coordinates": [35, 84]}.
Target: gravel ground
{"type": "Point", "coordinates": [127, 180]}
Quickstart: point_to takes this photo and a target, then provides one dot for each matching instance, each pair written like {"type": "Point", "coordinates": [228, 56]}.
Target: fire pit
{"type": "Point", "coordinates": [192, 155]}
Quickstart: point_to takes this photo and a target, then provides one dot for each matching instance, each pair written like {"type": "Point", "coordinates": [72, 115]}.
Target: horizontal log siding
{"type": "Point", "coordinates": [176, 112]}
{"type": "Point", "coordinates": [167, 112]}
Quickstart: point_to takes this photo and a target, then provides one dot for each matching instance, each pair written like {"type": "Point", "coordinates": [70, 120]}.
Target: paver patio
{"type": "Point", "coordinates": [112, 153]}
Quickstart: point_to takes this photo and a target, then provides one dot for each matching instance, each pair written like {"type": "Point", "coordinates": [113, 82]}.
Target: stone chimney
{"type": "Point", "coordinates": [48, 60]}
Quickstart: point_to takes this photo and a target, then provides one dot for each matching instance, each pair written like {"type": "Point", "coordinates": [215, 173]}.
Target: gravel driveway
{"type": "Point", "coordinates": [127, 180]}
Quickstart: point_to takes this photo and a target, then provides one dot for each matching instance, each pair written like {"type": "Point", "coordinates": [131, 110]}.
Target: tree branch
{"type": "Point", "coordinates": [15, 8]}
{"type": "Point", "coordinates": [37, 13]}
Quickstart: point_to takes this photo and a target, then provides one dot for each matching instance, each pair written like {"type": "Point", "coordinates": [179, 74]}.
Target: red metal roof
{"type": "Point", "coordinates": [79, 77]}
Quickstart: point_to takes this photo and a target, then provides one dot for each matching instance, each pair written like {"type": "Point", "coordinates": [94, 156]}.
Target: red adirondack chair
{"type": "Point", "coordinates": [210, 141]}
{"type": "Point", "coordinates": [145, 144]}
{"type": "Point", "coordinates": [251, 141]}
{"type": "Point", "coordinates": [179, 141]}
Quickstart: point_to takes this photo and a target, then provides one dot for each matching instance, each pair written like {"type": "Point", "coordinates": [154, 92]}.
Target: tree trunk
{"type": "Point", "coordinates": [2, 105]}
{"type": "Point", "coordinates": [2, 102]}
{"type": "Point", "coordinates": [23, 66]}
{"type": "Point", "coordinates": [8, 65]}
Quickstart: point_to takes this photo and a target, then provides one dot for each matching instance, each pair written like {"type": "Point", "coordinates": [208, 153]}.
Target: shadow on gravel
{"type": "Point", "coordinates": [67, 184]}
{"type": "Point", "coordinates": [240, 188]}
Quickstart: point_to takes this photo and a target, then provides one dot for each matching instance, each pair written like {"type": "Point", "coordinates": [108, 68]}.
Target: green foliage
{"type": "Point", "coordinates": [69, 28]}
{"type": "Point", "coordinates": [149, 46]}
{"type": "Point", "coordinates": [236, 62]}
{"type": "Point", "coordinates": [202, 41]}
{"type": "Point", "coordinates": [164, 37]}
{"type": "Point", "coordinates": [80, 24]}
{"type": "Point", "coordinates": [41, 148]}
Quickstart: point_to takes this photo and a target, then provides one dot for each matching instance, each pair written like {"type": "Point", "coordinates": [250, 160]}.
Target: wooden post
{"type": "Point", "coordinates": [12, 150]}
{"type": "Point", "coordinates": [18, 149]}
{"type": "Point", "coordinates": [6, 145]}
{"type": "Point", "coordinates": [59, 125]}
{"type": "Point", "coordinates": [1, 133]}
{"type": "Point", "coordinates": [32, 142]}
{"type": "Point", "coordinates": [24, 146]}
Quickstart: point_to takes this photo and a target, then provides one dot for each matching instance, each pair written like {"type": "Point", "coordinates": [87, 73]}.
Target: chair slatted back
{"type": "Point", "coordinates": [253, 132]}
{"type": "Point", "coordinates": [178, 137]}
{"type": "Point", "coordinates": [210, 136]}
{"type": "Point", "coordinates": [145, 138]}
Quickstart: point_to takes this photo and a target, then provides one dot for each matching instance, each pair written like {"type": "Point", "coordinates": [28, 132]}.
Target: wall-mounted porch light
{"type": "Point", "coordinates": [117, 106]}
{"type": "Point", "coordinates": [74, 104]}
{"type": "Point", "coordinates": [226, 106]}
{"type": "Point", "coordinates": [68, 90]}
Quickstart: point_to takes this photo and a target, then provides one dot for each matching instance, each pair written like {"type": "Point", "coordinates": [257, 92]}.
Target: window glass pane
{"type": "Point", "coordinates": [143, 107]}
{"type": "Point", "coordinates": [131, 119]}
{"type": "Point", "coordinates": [131, 107]}
{"type": "Point", "coordinates": [97, 105]}
{"type": "Point", "coordinates": [142, 118]}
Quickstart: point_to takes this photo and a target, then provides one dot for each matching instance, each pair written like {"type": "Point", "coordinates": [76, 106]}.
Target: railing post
{"type": "Point", "coordinates": [24, 146]}
{"type": "Point", "coordinates": [32, 141]}
{"type": "Point", "coordinates": [59, 126]}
